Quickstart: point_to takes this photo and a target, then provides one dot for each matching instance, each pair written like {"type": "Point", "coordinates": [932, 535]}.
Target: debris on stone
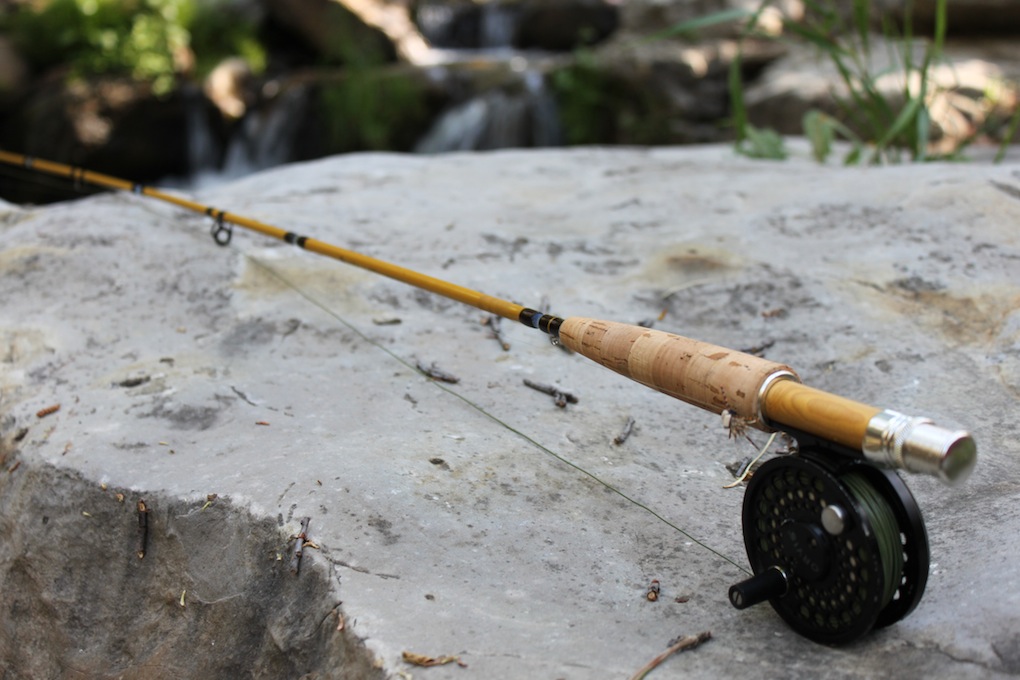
{"type": "Point", "coordinates": [143, 529]}
{"type": "Point", "coordinates": [561, 397]}
{"type": "Point", "coordinates": [299, 547]}
{"type": "Point", "coordinates": [424, 660]}
{"type": "Point", "coordinates": [49, 410]}
{"type": "Point", "coordinates": [628, 428]}
{"type": "Point", "coordinates": [437, 374]}
{"type": "Point", "coordinates": [493, 322]}
{"type": "Point", "coordinates": [677, 645]}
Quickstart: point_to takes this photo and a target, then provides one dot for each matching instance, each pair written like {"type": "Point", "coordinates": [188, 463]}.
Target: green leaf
{"type": "Point", "coordinates": [907, 114]}
{"type": "Point", "coordinates": [820, 132]}
{"type": "Point", "coordinates": [736, 88]}
{"type": "Point", "coordinates": [763, 143]}
{"type": "Point", "coordinates": [690, 27]}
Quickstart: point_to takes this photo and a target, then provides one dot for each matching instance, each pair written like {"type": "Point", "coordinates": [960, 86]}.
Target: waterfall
{"type": "Point", "coordinates": [491, 25]}
{"type": "Point", "coordinates": [266, 135]}
{"type": "Point", "coordinates": [522, 116]}
{"type": "Point", "coordinates": [498, 25]}
{"type": "Point", "coordinates": [264, 138]}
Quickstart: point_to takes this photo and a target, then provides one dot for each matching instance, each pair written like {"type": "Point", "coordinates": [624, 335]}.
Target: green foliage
{"type": "Point", "coordinates": [690, 28]}
{"type": "Point", "coordinates": [751, 141]}
{"type": "Point", "coordinates": [597, 105]}
{"type": "Point", "coordinates": [879, 126]}
{"type": "Point", "coordinates": [149, 40]}
{"type": "Point", "coordinates": [218, 32]}
{"type": "Point", "coordinates": [585, 96]}
{"type": "Point", "coordinates": [1011, 131]}
{"type": "Point", "coordinates": [372, 110]}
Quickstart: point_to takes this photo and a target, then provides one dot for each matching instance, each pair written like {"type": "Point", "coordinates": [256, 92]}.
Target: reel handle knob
{"type": "Point", "coordinates": [760, 587]}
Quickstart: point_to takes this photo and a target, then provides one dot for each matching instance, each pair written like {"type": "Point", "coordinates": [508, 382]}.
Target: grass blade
{"type": "Point", "coordinates": [691, 27]}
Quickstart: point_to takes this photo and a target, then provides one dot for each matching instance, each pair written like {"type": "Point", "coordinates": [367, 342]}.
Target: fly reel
{"type": "Point", "coordinates": [838, 546]}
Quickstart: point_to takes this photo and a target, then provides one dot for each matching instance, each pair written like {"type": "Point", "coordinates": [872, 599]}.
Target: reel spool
{"type": "Point", "coordinates": [838, 547]}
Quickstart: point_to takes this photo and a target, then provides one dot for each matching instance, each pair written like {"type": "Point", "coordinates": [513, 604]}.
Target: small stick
{"type": "Point", "coordinates": [299, 546]}
{"type": "Point", "coordinates": [143, 528]}
{"type": "Point", "coordinates": [437, 374]}
{"type": "Point", "coordinates": [493, 322]}
{"type": "Point", "coordinates": [758, 350]}
{"type": "Point", "coordinates": [562, 398]}
{"type": "Point", "coordinates": [684, 643]}
{"type": "Point", "coordinates": [628, 428]}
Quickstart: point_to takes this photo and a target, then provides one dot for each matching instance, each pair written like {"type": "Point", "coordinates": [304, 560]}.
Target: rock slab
{"type": "Point", "coordinates": [239, 390]}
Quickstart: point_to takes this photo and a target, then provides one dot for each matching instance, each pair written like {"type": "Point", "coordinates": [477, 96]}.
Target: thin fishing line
{"type": "Point", "coordinates": [446, 388]}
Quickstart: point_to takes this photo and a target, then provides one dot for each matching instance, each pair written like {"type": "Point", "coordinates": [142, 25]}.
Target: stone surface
{"type": "Point", "coordinates": [440, 526]}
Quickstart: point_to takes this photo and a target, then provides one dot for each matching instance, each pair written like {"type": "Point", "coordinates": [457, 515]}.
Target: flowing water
{"type": "Point", "coordinates": [520, 111]}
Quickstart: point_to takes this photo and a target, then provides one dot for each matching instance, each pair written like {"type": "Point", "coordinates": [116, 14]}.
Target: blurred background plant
{"type": "Point", "coordinates": [155, 41]}
{"type": "Point", "coordinates": [885, 87]}
{"type": "Point", "coordinates": [214, 89]}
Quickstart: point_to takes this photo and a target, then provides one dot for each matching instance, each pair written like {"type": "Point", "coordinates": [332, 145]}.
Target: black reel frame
{"type": "Point", "coordinates": [821, 529]}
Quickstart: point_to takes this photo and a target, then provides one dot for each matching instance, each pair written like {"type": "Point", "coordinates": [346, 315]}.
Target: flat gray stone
{"type": "Point", "coordinates": [477, 519]}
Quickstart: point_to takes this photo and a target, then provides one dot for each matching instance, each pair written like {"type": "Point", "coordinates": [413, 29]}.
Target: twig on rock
{"type": "Point", "coordinates": [678, 645]}
{"type": "Point", "coordinates": [494, 323]}
{"type": "Point", "coordinates": [143, 528]}
{"type": "Point", "coordinates": [299, 547]}
{"type": "Point", "coordinates": [437, 374]}
{"type": "Point", "coordinates": [628, 428]}
{"type": "Point", "coordinates": [562, 398]}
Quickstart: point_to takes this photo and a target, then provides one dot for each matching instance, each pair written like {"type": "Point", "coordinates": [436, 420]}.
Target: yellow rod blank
{"type": "Point", "coordinates": [453, 291]}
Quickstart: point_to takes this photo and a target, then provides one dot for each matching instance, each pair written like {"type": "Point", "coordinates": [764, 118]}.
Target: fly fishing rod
{"type": "Point", "coordinates": [835, 539]}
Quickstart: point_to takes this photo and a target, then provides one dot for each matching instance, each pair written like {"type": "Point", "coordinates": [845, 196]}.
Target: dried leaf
{"type": "Point", "coordinates": [424, 660]}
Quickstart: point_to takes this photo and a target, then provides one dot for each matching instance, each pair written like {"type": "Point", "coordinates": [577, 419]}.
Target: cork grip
{"type": "Point", "coordinates": [712, 377]}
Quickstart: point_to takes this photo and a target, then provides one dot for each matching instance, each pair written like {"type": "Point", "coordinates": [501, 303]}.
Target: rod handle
{"type": "Point", "coordinates": [885, 437]}
{"type": "Point", "coordinates": [709, 376]}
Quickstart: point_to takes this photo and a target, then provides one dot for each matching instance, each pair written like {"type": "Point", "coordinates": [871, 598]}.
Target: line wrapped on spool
{"type": "Point", "coordinates": [887, 531]}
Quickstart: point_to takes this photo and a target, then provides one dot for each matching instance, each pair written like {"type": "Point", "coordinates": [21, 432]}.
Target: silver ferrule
{"type": "Point", "coordinates": [918, 445]}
